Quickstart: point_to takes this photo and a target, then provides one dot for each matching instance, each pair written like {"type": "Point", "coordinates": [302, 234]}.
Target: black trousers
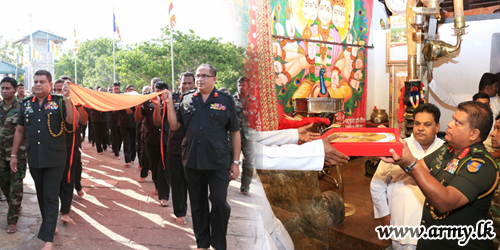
{"type": "Point", "coordinates": [78, 174]}
{"type": "Point", "coordinates": [144, 161]}
{"type": "Point", "coordinates": [47, 181]}
{"type": "Point", "coordinates": [116, 139]}
{"type": "Point", "coordinates": [100, 133]}
{"type": "Point", "coordinates": [128, 136]}
{"type": "Point", "coordinates": [179, 184]}
{"type": "Point", "coordinates": [91, 132]}
{"type": "Point", "coordinates": [210, 227]}
{"type": "Point", "coordinates": [83, 129]}
{"type": "Point", "coordinates": [66, 188]}
{"type": "Point", "coordinates": [161, 183]}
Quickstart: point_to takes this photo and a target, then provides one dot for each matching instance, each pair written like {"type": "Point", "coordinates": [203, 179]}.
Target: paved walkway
{"type": "Point", "coordinates": [118, 212]}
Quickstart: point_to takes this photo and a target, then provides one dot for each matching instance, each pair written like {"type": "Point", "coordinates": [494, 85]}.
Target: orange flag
{"type": "Point", "coordinates": [104, 101]}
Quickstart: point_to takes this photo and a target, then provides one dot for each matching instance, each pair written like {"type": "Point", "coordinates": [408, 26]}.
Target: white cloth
{"type": "Point", "coordinates": [278, 150]}
{"type": "Point", "coordinates": [394, 192]}
{"type": "Point", "coordinates": [457, 98]}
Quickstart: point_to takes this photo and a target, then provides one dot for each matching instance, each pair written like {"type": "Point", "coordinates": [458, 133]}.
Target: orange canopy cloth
{"type": "Point", "coordinates": [104, 101]}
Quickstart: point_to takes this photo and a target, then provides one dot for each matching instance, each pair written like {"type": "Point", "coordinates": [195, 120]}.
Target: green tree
{"type": "Point", "coordinates": [137, 64]}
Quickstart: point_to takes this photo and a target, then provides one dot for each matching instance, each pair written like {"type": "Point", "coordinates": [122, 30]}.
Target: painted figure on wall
{"type": "Point", "coordinates": [319, 66]}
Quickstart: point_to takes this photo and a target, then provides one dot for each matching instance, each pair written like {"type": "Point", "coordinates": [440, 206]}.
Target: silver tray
{"type": "Point", "coordinates": [318, 105]}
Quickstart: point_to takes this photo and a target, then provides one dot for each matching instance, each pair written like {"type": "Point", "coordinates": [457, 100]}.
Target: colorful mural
{"type": "Point", "coordinates": [316, 67]}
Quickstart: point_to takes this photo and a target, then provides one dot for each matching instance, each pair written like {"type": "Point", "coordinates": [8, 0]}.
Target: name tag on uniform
{"type": "Point", "coordinates": [51, 105]}
{"type": "Point", "coordinates": [217, 106]}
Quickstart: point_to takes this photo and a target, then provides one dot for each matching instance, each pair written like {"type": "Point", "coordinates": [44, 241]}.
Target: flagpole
{"type": "Point", "coordinates": [172, 54]}
{"type": "Point", "coordinates": [74, 53]}
{"type": "Point", "coordinates": [114, 27]}
{"type": "Point", "coordinates": [17, 63]}
{"type": "Point", "coordinates": [76, 72]}
{"type": "Point", "coordinates": [48, 45]}
{"type": "Point", "coordinates": [31, 57]}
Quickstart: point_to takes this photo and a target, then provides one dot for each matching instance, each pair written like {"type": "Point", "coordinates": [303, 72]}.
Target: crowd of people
{"type": "Point", "coordinates": [201, 150]}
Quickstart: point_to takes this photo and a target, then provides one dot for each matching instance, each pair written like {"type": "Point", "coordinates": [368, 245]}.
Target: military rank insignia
{"type": "Point", "coordinates": [51, 105]}
{"type": "Point", "coordinates": [452, 166]}
{"type": "Point", "coordinates": [473, 166]}
{"type": "Point", "coordinates": [464, 153]}
{"type": "Point", "coordinates": [217, 106]}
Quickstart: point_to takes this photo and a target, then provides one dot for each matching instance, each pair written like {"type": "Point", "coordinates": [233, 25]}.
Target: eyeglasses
{"type": "Point", "coordinates": [202, 76]}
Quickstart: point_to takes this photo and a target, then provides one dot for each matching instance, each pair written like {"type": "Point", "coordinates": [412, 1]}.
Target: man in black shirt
{"type": "Point", "coordinates": [114, 116]}
{"type": "Point", "coordinates": [173, 154]}
{"type": "Point", "coordinates": [127, 126]}
{"type": "Point", "coordinates": [153, 145]}
{"type": "Point", "coordinates": [206, 116]}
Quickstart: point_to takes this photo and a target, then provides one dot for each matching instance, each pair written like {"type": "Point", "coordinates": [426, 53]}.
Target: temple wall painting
{"type": "Point", "coordinates": [308, 58]}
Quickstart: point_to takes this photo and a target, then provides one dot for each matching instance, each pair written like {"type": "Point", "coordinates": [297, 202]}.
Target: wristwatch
{"type": "Point", "coordinates": [410, 167]}
{"type": "Point", "coordinates": [237, 162]}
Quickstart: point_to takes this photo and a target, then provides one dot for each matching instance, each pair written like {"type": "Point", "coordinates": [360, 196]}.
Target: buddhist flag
{"type": "Point", "coordinates": [56, 50]}
{"type": "Point", "coordinates": [115, 27]}
{"type": "Point", "coordinates": [51, 46]}
{"type": "Point", "coordinates": [76, 42]}
{"type": "Point", "coordinates": [171, 14]}
{"type": "Point", "coordinates": [35, 54]}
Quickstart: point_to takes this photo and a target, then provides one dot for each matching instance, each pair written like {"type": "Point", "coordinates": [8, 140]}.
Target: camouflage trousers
{"type": "Point", "coordinates": [12, 186]}
{"type": "Point", "coordinates": [248, 164]}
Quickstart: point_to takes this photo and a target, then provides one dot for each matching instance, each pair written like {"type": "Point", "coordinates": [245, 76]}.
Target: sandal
{"type": "Point", "coordinates": [11, 229]}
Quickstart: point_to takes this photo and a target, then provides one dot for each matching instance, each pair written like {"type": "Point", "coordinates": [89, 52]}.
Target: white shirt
{"type": "Point", "coordinates": [394, 192]}
{"type": "Point", "coordinates": [278, 150]}
{"type": "Point", "coordinates": [457, 98]}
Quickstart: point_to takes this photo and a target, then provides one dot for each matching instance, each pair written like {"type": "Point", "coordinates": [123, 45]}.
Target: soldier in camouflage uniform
{"type": "Point", "coordinates": [457, 180]}
{"type": "Point", "coordinates": [11, 183]}
{"type": "Point", "coordinates": [241, 99]}
{"type": "Point", "coordinates": [495, 202]}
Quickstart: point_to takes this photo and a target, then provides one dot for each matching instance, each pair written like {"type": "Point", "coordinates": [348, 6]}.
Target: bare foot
{"type": "Point", "coordinates": [117, 157]}
{"type": "Point", "coordinates": [155, 192]}
{"type": "Point", "coordinates": [101, 153]}
{"type": "Point", "coordinates": [141, 179]}
{"type": "Point", "coordinates": [48, 246]}
{"type": "Point", "coordinates": [139, 167]}
{"type": "Point", "coordinates": [65, 218]}
{"type": "Point", "coordinates": [164, 203]}
{"type": "Point", "coordinates": [11, 229]}
{"type": "Point", "coordinates": [246, 193]}
{"type": "Point", "coordinates": [127, 164]}
{"type": "Point", "coordinates": [80, 193]}
{"type": "Point", "coordinates": [180, 220]}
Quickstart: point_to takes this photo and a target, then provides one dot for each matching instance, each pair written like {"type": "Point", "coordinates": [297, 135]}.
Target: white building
{"type": "Point", "coordinates": [40, 43]}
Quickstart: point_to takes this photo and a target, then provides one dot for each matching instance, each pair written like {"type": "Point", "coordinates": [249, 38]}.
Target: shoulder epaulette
{"type": "Point", "coordinates": [224, 93]}
{"type": "Point", "coordinates": [27, 97]}
{"type": "Point", "coordinates": [189, 92]}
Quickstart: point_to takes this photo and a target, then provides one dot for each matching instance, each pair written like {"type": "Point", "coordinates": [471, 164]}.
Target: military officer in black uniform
{"type": "Point", "coordinates": [206, 116]}
{"type": "Point", "coordinates": [462, 178]}
{"type": "Point", "coordinates": [41, 117]}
